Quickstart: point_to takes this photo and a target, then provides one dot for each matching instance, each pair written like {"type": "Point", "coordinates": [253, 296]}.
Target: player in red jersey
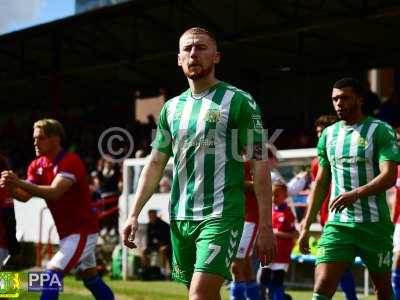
{"type": "Point", "coordinates": [283, 223]}
{"type": "Point", "coordinates": [59, 177]}
{"type": "Point", "coordinates": [244, 285]}
{"type": "Point", "coordinates": [8, 242]}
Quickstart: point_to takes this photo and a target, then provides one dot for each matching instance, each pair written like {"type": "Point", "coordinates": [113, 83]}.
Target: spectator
{"type": "Point", "coordinates": [165, 184]}
{"type": "Point", "coordinates": [109, 175]}
{"type": "Point", "coordinates": [158, 240]}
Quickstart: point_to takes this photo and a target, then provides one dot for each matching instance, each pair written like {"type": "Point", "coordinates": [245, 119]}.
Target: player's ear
{"type": "Point", "coordinates": [179, 60]}
{"type": "Point", "coordinates": [217, 57]}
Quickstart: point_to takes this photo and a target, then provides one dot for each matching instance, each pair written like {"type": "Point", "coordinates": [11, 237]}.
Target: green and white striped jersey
{"type": "Point", "coordinates": [206, 137]}
{"type": "Point", "coordinates": [353, 154]}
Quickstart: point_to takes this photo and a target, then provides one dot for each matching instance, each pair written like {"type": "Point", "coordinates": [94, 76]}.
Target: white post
{"type": "Point", "coordinates": [366, 282]}
{"type": "Point", "coordinates": [123, 216]}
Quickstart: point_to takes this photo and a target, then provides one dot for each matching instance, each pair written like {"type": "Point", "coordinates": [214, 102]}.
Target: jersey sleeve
{"type": "Point", "coordinates": [386, 143]}
{"type": "Point", "coordinates": [249, 122]}
{"type": "Point", "coordinates": [314, 169]}
{"type": "Point", "coordinates": [321, 150]}
{"type": "Point", "coordinates": [163, 139]}
{"type": "Point", "coordinates": [31, 175]}
{"type": "Point", "coordinates": [71, 167]}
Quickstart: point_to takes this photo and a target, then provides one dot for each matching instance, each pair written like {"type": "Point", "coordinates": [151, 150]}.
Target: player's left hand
{"type": "Point", "coordinates": [8, 179]}
{"type": "Point", "coordinates": [266, 245]}
{"type": "Point", "coordinates": [343, 201]}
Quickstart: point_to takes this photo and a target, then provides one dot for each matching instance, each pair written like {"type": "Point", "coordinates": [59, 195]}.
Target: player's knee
{"type": "Point", "coordinates": [324, 286]}
{"type": "Point", "coordinates": [235, 269]}
{"type": "Point", "coordinates": [204, 286]}
{"type": "Point", "coordinates": [88, 273]}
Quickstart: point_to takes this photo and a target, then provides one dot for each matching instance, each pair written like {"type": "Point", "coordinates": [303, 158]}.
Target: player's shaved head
{"type": "Point", "coordinates": [51, 127]}
{"type": "Point", "coordinates": [199, 30]}
{"type": "Point", "coordinates": [355, 84]}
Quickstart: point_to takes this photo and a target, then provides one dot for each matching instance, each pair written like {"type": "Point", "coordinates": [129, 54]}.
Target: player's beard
{"type": "Point", "coordinates": [198, 75]}
{"type": "Point", "coordinates": [348, 113]}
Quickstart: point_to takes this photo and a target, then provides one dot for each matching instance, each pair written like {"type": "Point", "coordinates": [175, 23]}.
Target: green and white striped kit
{"type": "Point", "coordinates": [207, 180]}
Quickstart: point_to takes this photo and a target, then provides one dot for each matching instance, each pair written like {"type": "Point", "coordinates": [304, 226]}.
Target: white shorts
{"type": "Point", "coordinates": [3, 255]}
{"type": "Point", "coordinates": [278, 266]}
{"type": "Point", "coordinates": [77, 251]}
{"type": "Point", "coordinates": [246, 244]}
{"type": "Point", "coordinates": [396, 238]}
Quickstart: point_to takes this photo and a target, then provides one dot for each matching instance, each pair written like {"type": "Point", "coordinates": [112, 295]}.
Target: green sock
{"type": "Point", "coordinates": [317, 296]}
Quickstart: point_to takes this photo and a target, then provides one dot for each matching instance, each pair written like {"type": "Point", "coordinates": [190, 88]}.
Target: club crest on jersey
{"type": "Point", "coordinates": [39, 171]}
{"type": "Point", "coordinates": [212, 116]}
{"type": "Point", "coordinates": [363, 142]}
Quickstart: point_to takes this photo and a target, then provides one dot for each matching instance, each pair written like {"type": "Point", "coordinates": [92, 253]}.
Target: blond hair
{"type": "Point", "coordinates": [51, 127]}
{"type": "Point", "coordinates": [200, 30]}
{"type": "Point", "coordinates": [279, 184]}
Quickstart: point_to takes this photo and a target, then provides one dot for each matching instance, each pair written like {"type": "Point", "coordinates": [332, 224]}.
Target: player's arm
{"type": "Point", "coordinates": [294, 234]}
{"type": "Point", "coordinates": [148, 183]}
{"type": "Point", "coordinates": [393, 202]}
{"type": "Point", "coordinates": [317, 195]}
{"type": "Point", "coordinates": [263, 190]}
{"type": "Point", "coordinates": [51, 192]}
{"type": "Point", "coordinates": [249, 185]}
{"type": "Point", "coordinates": [315, 200]}
{"type": "Point", "coordinates": [385, 180]}
{"type": "Point", "coordinates": [20, 195]}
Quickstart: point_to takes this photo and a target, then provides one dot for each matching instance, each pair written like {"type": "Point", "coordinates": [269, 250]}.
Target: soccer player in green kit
{"type": "Point", "coordinates": [358, 155]}
{"type": "Point", "coordinates": [203, 129]}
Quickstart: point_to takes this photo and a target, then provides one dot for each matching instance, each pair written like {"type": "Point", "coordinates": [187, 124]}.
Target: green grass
{"type": "Point", "coordinates": [149, 290]}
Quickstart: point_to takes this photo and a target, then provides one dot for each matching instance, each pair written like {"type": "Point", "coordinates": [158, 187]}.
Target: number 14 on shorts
{"type": "Point", "coordinates": [384, 258]}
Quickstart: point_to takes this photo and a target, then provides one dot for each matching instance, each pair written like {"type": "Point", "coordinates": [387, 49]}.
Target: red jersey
{"type": "Point", "coordinates": [6, 201]}
{"type": "Point", "coordinates": [72, 212]}
{"type": "Point", "coordinates": [397, 205]}
{"type": "Point", "coordinates": [251, 205]}
{"type": "Point", "coordinates": [283, 219]}
{"type": "Point", "coordinates": [324, 212]}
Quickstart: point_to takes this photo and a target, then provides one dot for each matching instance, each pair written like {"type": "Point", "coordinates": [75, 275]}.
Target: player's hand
{"type": "Point", "coordinates": [344, 200]}
{"type": "Point", "coordinates": [128, 232]}
{"type": "Point", "coordinates": [304, 244]}
{"type": "Point", "coordinates": [266, 245]}
{"type": "Point", "coordinates": [8, 179]}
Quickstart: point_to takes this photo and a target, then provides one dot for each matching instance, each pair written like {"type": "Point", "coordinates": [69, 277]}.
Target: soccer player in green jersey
{"type": "Point", "coordinates": [205, 130]}
{"type": "Point", "coordinates": [358, 155]}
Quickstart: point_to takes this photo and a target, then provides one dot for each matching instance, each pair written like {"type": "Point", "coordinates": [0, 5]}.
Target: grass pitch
{"type": "Point", "coordinates": [148, 290]}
